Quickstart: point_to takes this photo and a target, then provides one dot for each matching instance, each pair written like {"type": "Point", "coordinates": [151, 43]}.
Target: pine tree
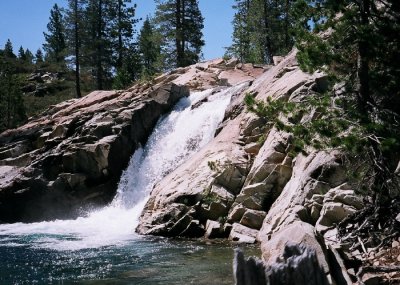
{"type": "Point", "coordinates": [130, 69]}
{"type": "Point", "coordinates": [149, 48]}
{"type": "Point", "coordinates": [261, 29]}
{"type": "Point", "coordinates": [8, 50]}
{"type": "Point", "coordinates": [241, 35]}
{"type": "Point", "coordinates": [11, 103]}
{"type": "Point", "coordinates": [55, 45]}
{"type": "Point", "coordinates": [356, 43]}
{"type": "Point", "coordinates": [29, 56]}
{"type": "Point", "coordinates": [39, 56]}
{"type": "Point", "coordinates": [180, 22]}
{"type": "Point", "coordinates": [74, 27]}
{"type": "Point", "coordinates": [21, 54]}
{"type": "Point", "coordinates": [123, 28]}
{"type": "Point", "coordinates": [98, 47]}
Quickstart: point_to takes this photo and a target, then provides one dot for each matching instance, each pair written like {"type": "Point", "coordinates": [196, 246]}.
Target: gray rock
{"type": "Point", "coordinates": [214, 230]}
{"type": "Point", "coordinates": [297, 265]}
{"type": "Point", "coordinates": [253, 219]}
{"type": "Point", "coordinates": [332, 213]}
{"type": "Point", "coordinates": [236, 213]}
{"type": "Point", "coordinates": [277, 59]}
{"type": "Point", "coordinates": [75, 142]}
{"type": "Point", "coordinates": [252, 148]}
{"type": "Point", "coordinates": [242, 234]}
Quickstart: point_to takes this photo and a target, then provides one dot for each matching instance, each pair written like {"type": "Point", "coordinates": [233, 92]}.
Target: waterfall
{"type": "Point", "coordinates": [190, 126]}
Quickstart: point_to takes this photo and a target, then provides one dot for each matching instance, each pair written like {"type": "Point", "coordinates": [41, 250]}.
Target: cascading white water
{"type": "Point", "coordinates": [177, 136]}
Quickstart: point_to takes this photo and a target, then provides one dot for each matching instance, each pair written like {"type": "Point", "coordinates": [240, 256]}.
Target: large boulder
{"type": "Point", "coordinates": [72, 157]}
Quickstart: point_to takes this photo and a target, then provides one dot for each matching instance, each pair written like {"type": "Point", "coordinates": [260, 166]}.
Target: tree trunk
{"type": "Point", "coordinates": [77, 59]}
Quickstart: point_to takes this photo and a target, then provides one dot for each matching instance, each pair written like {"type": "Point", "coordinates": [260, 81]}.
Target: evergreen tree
{"type": "Point", "coordinates": [180, 22]}
{"type": "Point", "coordinates": [74, 27]}
{"type": "Point", "coordinates": [261, 29]}
{"type": "Point", "coordinates": [149, 48]}
{"type": "Point", "coordinates": [39, 56]}
{"type": "Point", "coordinates": [356, 43]}
{"type": "Point", "coordinates": [130, 69]}
{"type": "Point", "coordinates": [98, 47]}
{"type": "Point", "coordinates": [123, 28]}
{"type": "Point", "coordinates": [29, 56]}
{"type": "Point", "coordinates": [11, 103]}
{"type": "Point", "coordinates": [21, 54]}
{"type": "Point", "coordinates": [8, 50]}
{"type": "Point", "coordinates": [241, 35]}
{"type": "Point", "coordinates": [55, 40]}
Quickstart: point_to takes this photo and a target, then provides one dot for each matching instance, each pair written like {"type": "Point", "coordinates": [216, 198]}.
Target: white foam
{"type": "Point", "coordinates": [177, 136]}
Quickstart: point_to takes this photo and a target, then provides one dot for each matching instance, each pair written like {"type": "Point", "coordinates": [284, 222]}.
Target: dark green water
{"type": "Point", "coordinates": [141, 261]}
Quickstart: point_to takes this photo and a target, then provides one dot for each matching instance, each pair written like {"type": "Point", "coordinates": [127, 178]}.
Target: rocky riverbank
{"type": "Point", "coordinates": [70, 158]}
{"type": "Point", "coordinates": [245, 185]}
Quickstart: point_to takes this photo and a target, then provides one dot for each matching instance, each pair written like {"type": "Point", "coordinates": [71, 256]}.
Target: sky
{"type": "Point", "coordinates": [24, 21]}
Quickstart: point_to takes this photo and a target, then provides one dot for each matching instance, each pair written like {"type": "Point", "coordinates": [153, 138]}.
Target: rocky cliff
{"type": "Point", "coordinates": [247, 186]}
{"type": "Point", "coordinates": [71, 157]}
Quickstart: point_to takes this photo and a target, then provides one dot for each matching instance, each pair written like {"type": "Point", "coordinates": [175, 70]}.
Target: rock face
{"type": "Point", "coordinates": [72, 156]}
{"type": "Point", "coordinates": [234, 180]}
{"type": "Point", "coordinates": [297, 265]}
{"type": "Point", "coordinates": [248, 186]}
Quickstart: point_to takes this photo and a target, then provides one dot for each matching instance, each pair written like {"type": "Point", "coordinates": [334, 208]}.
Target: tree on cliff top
{"type": "Point", "coordinates": [149, 48]}
{"type": "Point", "coordinates": [55, 46]}
{"type": "Point", "coordinates": [74, 28]}
{"type": "Point", "coordinates": [180, 22]}
{"type": "Point", "coordinates": [11, 104]}
{"type": "Point", "coordinates": [261, 29]}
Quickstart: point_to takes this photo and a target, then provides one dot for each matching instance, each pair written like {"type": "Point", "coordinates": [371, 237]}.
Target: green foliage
{"type": "Point", "coordinates": [214, 165]}
{"type": "Point", "coordinates": [356, 42]}
{"type": "Point", "coordinates": [55, 46]}
{"type": "Point", "coordinates": [8, 50]}
{"type": "Point", "coordinates": [180, 23]}
{"type": "Point", "coordinates": [261, 29]}
{"type": "Point", "coordinates": [11, 104]}
{"type": "Point", "coordinates": [39, 57]}
{"type": "Point", "coordinates": [313, 122]}
{"type": "Point", "coordinates": [149, 43]}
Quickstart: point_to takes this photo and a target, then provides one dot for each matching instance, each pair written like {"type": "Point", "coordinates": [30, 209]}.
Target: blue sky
{"type": "Point", "coordinates": [24, 21]}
